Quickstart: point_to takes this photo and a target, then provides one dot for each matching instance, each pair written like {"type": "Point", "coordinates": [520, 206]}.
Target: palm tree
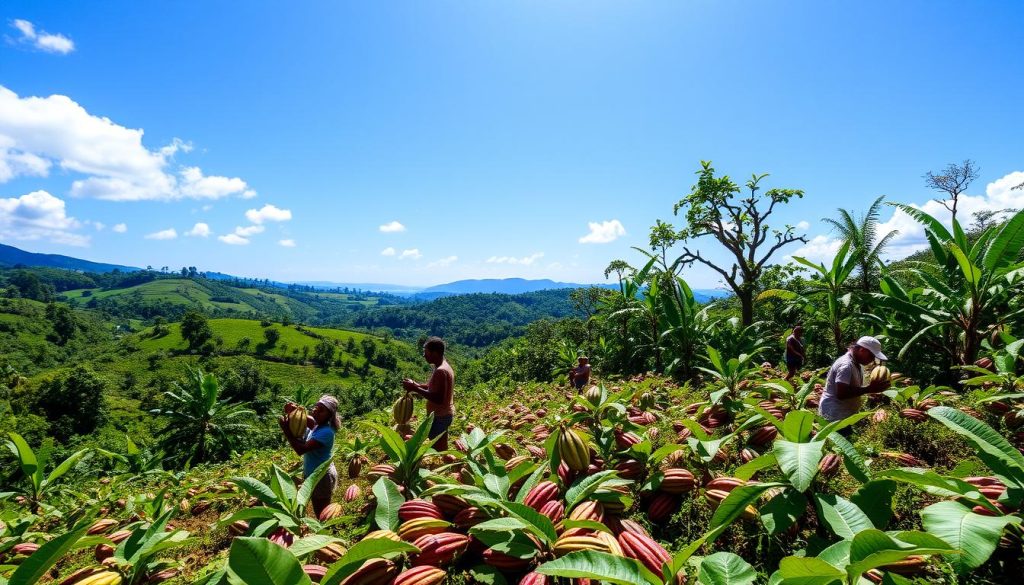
{"type": "Point", "coordinates": [862, 235]}
{"type": "Point", "coordinates": [199, 425]}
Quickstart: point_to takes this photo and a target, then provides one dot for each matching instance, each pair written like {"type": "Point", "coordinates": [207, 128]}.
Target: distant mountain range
{"type": "Point", "coordinates": [11, 256]}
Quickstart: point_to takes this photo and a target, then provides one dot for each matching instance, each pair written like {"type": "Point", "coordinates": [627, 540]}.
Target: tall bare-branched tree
{"type": "Point", "coordinates": [716, 208]}
{"type": "Point", "coordinates": [953, 181]}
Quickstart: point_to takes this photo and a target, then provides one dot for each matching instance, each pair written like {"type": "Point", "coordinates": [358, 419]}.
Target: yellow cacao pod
{"type": "Point", "coordinates": [880, 374]}
{"type": "Point", "coordinates": [297, 421]}
{"type": "Point", "coordinates": [402, 411]}
{"type": "Point", "coordinates": [102, 578]}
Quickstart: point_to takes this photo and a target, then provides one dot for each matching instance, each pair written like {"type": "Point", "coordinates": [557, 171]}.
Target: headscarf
{"type": "Point", "coordinates": [331, 404]}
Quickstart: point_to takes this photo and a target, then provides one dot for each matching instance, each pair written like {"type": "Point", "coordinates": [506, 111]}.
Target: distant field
{"type": "Point", "coordinates": [232, 331]}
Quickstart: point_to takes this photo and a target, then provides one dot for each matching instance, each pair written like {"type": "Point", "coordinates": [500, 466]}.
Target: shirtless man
{"type": "Point", "coordinates": [438, 391]}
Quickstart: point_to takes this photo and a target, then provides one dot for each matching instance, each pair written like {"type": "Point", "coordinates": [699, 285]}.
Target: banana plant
{"type": "Point", "coordinates": [973, 535]}
{"type": "Point", "coordinates": [37, 485]}
{"type": "Point", "coordinates": [407, 456]}
{"type": "Point", "coordinates": [136, 462]}
{"type": "Point", "coordinates": [847, 561]}
{"type": "Point", "coordinates": [283, 505]}
{"type": "Point", "coordinates": [953, 310]}
{"type": "Point", "coordinates": [1009, 386]}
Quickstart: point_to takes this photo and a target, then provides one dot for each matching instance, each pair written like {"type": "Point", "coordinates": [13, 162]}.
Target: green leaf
{"type": "Point", "coordinates": [311, 543]}
{"type": "Point", "coordinates": [739, 498]}
{"type": "Point", "coordinates": [975, 536]}
{"type": "Point", "coordinates": [388, 501]}
{"type": "Point", "coordinates": [302, 497]}
{"type": "Point", "coordinates": [873, 548]}
{"type": "Point", "coordinates": [747, 470]}
{"type": "Point", "coordinates": [852, 459]}
{"type": "Point", "coordinates": [782, 511]}
{"type": "Point", "coordinates": [538, 524]}
{"type": "Point", "coordinates": [725, 568]}
{"type": "Point", "coordinates": [487, 575]}
{"type": "Point", "coordinates": [809, 571]}
{"type": "Point", "coordinates": [589, 564]}
{"type": "Point", "coordinates": [26, 456]}
{"type": "Point", "coordinates": [799, 461]}
{"type": "Point", "coordinates": [841, 515]}
{"type": "Point", "coordinates": [992, 447]}
{"type": "Point", "coordinates": [260, 491]}
{"type": "Point", "coordinates": [584, 487]}
{"type": "Point", "coordinates": [257, 561]}
{"type": "Point", "coordinates": [798, 426]}
{"type": "Point", "coordinates": [34, 568]}
{"type": "Point", "coordinates": [875, 500]}
{"type": "Point", "coordinates": [1006, 245]}
{"type": "Point", "coordinates": [66, 465]}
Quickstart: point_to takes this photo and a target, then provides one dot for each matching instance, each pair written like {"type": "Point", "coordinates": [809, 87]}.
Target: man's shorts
{"type": "Point", "coordinates": [440, 426]}
{"type": "Point", "coordinates": [794, 362]}
{"type": "Point", "coordinates": [579, 383]}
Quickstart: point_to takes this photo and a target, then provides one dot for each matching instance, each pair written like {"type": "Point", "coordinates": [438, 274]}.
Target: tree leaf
{"type": "Point", "coordinates": [782, 511]}
{"type": "Point", "coordinates": [257, 561]}
{"type": "Point", "coordinates": [361, 551]}
{"type": "Point", "coordinates": [584, 487]}
{"type": "Point", "coordinates": [974, 536]}
{"type": "Point", "coordinates": [841, 515]}
{"type": "Point", "coordinates": [992, 447]}
{"type": "Point", "coordinates": [34, 568]}
{"type": "Point", "coordinates": [809, 571]}
{"type": "Point", "coordinates": [590, 564]}
{"type": "Point", "coordinates": [725, 568]}
{"type": "Point", "coordinates": [875, 500]}
{"type": "Point", "coordinates": [388, 501]}
{"type": "Point", "coordinates": [799, 461]}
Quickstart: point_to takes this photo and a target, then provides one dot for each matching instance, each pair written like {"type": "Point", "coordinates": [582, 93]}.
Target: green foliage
{"type": "Point", "coordinates": [73, 402]}
{"type": "Point", "coordinates": [195, 329]}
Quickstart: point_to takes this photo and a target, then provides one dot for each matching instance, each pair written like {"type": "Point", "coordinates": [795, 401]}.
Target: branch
{"type": "Point", "coordinates": [689, 257]}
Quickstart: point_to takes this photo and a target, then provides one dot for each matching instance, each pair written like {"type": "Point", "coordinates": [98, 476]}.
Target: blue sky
{"type": "Point", "coordinates": [494, 133]}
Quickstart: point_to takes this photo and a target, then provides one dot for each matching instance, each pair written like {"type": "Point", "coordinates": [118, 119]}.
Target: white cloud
{"type": "Point", "coordinates": [443, 262]}
{"type": "Point", "coordinates": [167, 234]}
{"type": "Point", "coordinates": [99, 226]}
{"type": "Point", "coordinates": [42, 40]}
{"type": "Point", "coordinates": [233, 240]}
{"type": "Point", "coordinates": [389, 251]}
{"type": "Point", "coordinates": [603, 232]}
{"type": "Point", "coordinates": [37, 133]}
{"type": "Point", "coordinates": [803, 225]}
{"type": "Point", "coordinates": [120, 228]}
{"type": "Point", "coordinates": [413, 253]}
{"type": "Point", "coordinates": [524, 261]}
{"type": "Point", "coordinates": [392, 227]}
{"type": "Point", "coordinates": [268, 213]}
{"type": "Point", "coordinates": [999, 195]}
{"type": "Point", "coordinates": [200, 230]}
{"type": "Point", "coordinates": [248, 231]}
{"type": "Point", "coordinates": [287, 243]}
{"type": "Point", "coordinates": [39, 216]}
{"type": "Point", "coordinates": [820, 249]}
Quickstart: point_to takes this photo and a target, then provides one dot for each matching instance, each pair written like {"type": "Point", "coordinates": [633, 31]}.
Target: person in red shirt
{"type": "Point", "coordinates": [438, 391]}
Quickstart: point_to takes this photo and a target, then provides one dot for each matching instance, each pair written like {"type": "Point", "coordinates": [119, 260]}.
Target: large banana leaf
{"type": "Point", "coordinates": [974, 536]}
{"type": "Point", "coordinates": [992, 447]}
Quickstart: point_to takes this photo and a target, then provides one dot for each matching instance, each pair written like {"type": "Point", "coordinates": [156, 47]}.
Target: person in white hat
{"type": "Point", "coordinates": [844, 385]}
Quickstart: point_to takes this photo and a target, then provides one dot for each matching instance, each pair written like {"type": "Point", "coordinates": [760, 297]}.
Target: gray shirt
{"type": "Point", "coordinates": [845, 370]}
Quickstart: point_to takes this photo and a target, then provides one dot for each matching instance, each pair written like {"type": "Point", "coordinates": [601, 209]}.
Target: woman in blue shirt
{"type": "Point", "coordinates": [316, 446]}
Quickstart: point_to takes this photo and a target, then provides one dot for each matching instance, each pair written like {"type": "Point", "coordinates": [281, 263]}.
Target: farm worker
{"type": "Point", "coordinates": [845, 383]}
{"type": "Point", "coordinates": [795, 353]}
{"type": "Point", "coordinates": [580, 375]}
{"type": "Point", "coordinates": [316, 446]}
{"type": "Point", "coordinates": [438, 391]}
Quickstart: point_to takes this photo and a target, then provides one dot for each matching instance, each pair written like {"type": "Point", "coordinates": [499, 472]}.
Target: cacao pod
{"type": "Point", "coordinates": [314, 572]}
{"type": "Point", "coordinates": [644, 549]}
{"type": "Point", "coordinates": [410, 530]}
{"type": "Point", "coordinates": [573, 449]}
{"type": "Point", "coordinates": [352, 493]}
{"type": "Point", "coordinates": [829, 464]}
{"type": "Point", "coordinates": [589, 510]}
{"type": "Point", "coordinates": [677, 481]}
{"type": "Point", "coordinates": [373, 572]}
{"type": "Point", "coordinates": [297, 421]}
{"type": "Point", "coordinates": [449, 504]}
{"type": "Point", "coordinates": [554, 510]}
{"type": "Point", "coordinates": [535, 579]}
{"type": "Point", "coordinates": [402, 410]}
{"type": "Point", "coordinates": [330, 511]}
{"type": "Point", "coordinates": [541, 494]}
{"type": "Point", "coordinates": [330, 553]}
{"type": "Point", "coordinates": [413, 509]}
{"type": "Point", "coordinates": [101, 526]}
{"type": "Point", "coordinates": [880, 374]}
{"type": "Point", "coordinates": [470, 517]}
{"type": "Point", "coordinates": [422, 575]}
{"type": "Point", "coordinates": [440, 549]}
{"type": "Point", "coordinates": [567, 544]}
{"type": "Point", "coordinates": [505, 563]}
{"type": "Point", "coordinates": [662, 507]}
